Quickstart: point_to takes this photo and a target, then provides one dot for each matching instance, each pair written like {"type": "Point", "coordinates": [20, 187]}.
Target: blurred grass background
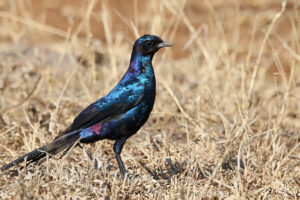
{"type": "Point", "coordinates": [227, 115]}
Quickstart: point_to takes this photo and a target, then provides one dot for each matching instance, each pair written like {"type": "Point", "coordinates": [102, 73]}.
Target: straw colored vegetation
{"type": "Point", "coordinates": [226, 120]}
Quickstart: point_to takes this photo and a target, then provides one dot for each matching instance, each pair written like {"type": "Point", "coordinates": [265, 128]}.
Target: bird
{"type": "Point", "coordinates": [116, 116]}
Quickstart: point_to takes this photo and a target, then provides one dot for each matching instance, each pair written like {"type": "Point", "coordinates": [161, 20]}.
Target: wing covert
{"type": "Point", "coordinates": [99, 111]}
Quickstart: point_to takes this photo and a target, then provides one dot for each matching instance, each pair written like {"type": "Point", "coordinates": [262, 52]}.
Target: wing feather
{"type": "Point", "coordinates": [94, 114]}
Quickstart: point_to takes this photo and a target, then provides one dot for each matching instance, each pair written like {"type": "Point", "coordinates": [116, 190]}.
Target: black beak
{"type": "Point", "coordinates": [164, 44]}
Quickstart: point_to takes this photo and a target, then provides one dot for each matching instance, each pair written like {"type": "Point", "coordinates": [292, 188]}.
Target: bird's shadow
{"type": "Point", "coordinates": [165, 172]}
{"type": "Point", "coordinates": [174, 168]}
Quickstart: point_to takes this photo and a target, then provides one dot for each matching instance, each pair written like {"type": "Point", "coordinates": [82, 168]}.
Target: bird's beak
{"type": "Point", "coordinates": [164, 44]}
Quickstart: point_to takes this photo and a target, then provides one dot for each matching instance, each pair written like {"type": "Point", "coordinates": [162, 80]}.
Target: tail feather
{"type": "Point", "coordinates": [51, 149]}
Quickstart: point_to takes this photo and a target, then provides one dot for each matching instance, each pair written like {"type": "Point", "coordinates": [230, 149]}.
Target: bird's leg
{"type": "Point", "coordinates": [117, 149]}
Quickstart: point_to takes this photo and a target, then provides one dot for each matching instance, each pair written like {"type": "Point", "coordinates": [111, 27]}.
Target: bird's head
{"type": "Point", "coordinates": [149, 44]}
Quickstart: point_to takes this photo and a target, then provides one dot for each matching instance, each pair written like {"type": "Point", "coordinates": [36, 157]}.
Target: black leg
{"type": "Point", "coordinates": [117, 149]}
{"type": "Point", "coordinates": [121, 166]}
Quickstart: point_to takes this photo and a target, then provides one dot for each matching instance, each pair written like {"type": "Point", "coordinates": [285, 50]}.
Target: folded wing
{"type": "Point", "coordinates": [100, 111]}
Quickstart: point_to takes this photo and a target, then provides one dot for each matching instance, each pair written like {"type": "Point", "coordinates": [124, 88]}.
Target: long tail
{"type": "Point", "coordinates": [51, 149]}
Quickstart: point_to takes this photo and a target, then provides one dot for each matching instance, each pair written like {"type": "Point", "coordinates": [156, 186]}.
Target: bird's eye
{"type": "Point", "coordinates": [149, 43]}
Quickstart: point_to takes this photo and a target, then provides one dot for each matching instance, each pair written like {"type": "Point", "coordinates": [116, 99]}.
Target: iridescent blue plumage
{"type": "Point", "coordinates": [119, 114]}
{"type": "Point", "coordinates": [133, 97]}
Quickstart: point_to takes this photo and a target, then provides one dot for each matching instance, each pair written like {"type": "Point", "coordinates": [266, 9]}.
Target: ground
{"type": "Point", "coordinates": [226, 120]}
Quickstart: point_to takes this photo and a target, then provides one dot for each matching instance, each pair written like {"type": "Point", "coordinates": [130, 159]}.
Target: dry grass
{"type": "Point", "coordinates": [227, 115]}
